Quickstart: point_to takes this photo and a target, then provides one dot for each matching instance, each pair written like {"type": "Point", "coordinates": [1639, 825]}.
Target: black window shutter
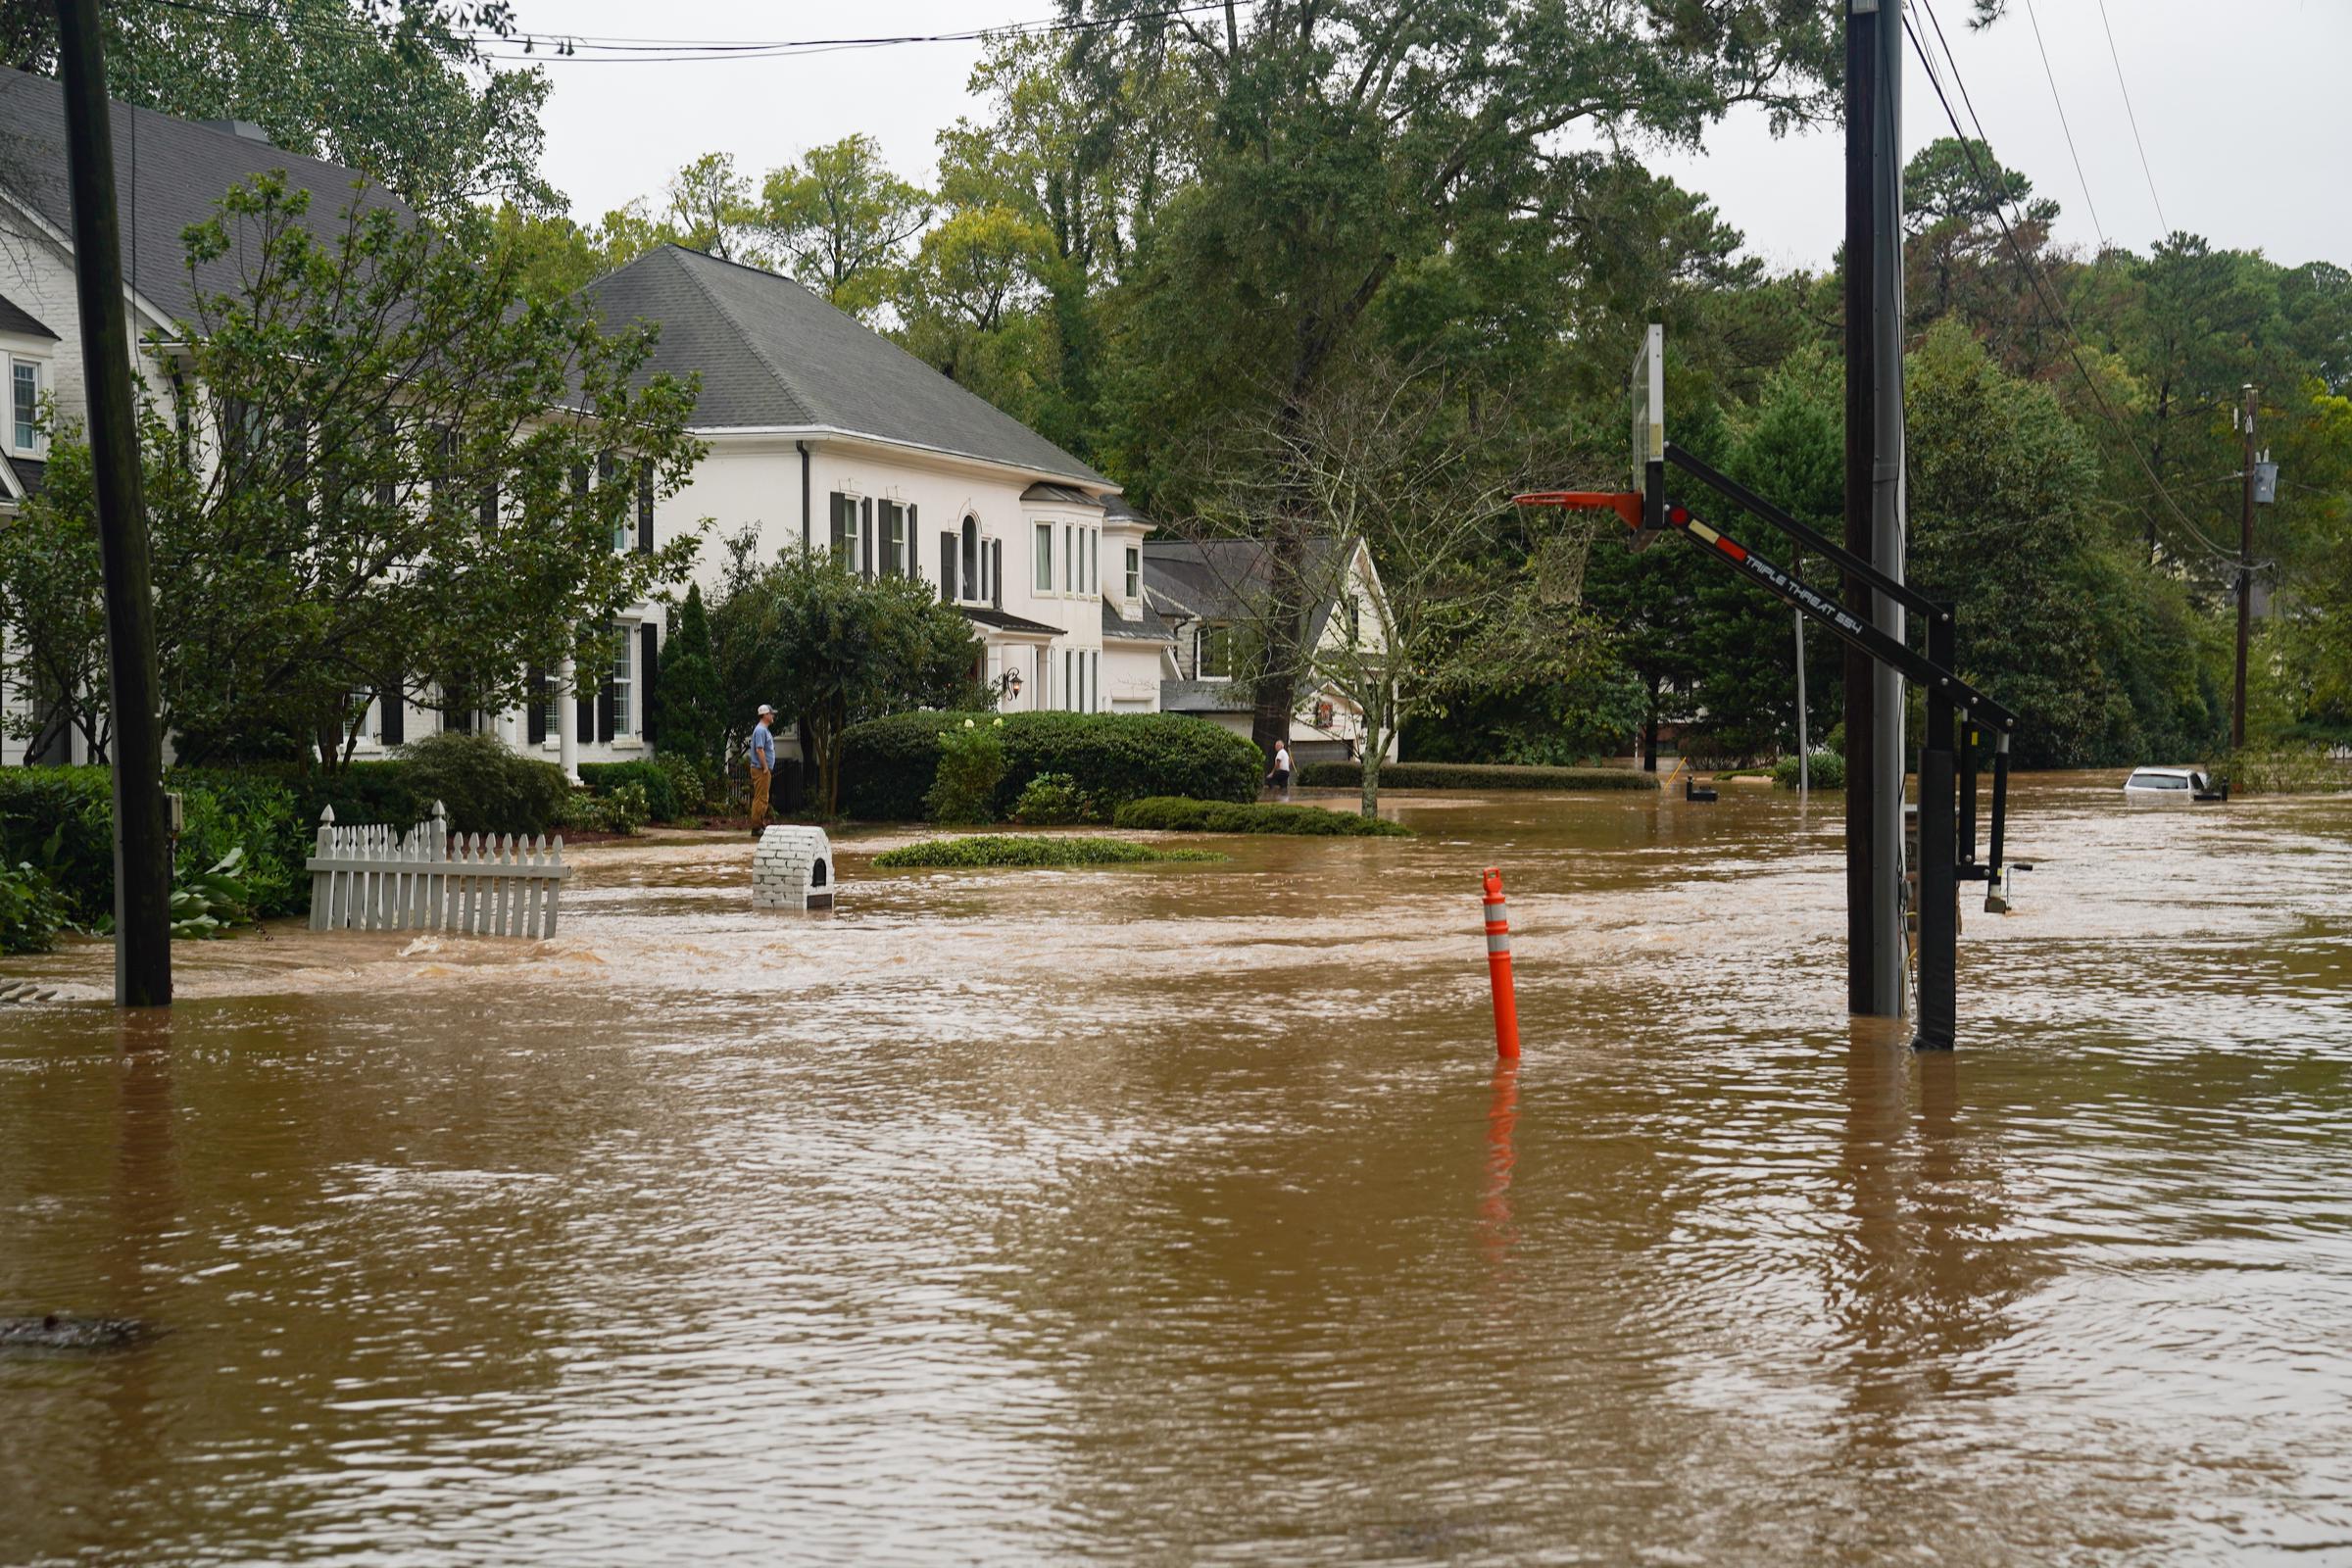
{"type": "Point", "coordinates": [914, 552]}
{"type": "Point", "coordinates": [648, 674]}
{"type": "Point", "coordinates": [645, 510]}
{"type": "Point", "coordinates": [534, 722]}
{"type": "Point", "coordinates": [490, 509]}
{"type": "Point", "coordinates": [995, 573]}
{"type": "Point", "coordinates": [946, 569]}
{"type": "Point", "coordinates": [584, 717]}
{"type": "Point", "coordinates": [840, 537]}
{"type": "Point", "coordinates": [395, 714]}
{"type": "Point", "coordinates": [866, 536]}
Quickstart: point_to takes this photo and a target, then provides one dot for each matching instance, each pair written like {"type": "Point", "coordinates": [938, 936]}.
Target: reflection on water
{"type": "Point", "coordinates": [1181, 1213]}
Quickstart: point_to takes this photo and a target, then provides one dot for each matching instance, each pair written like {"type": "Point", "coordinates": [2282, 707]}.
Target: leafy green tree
{"type": "Point", "coordinates": [840, 222]}
{"type": "Point", "coordinates": [373, 472]}
{"type": "Point", "coordinates": [690, 711]}
{"type": "Point", "coordinates": [399, 89]}
{"type": "Point", "coordinates": [830, 649]}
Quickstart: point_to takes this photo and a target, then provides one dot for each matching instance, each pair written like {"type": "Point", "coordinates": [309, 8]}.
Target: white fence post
{"type": "Point", "coordinates": [372, 878]}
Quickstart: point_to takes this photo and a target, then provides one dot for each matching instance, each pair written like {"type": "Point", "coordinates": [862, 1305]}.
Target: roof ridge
{"type": "Point", "coordinates": [743, 331]}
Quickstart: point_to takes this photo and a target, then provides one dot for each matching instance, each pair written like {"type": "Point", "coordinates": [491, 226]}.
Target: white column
{"type": "Point", "coordinates": [567, 721]}
{"type": "Point", "coordinates": [510, 728]}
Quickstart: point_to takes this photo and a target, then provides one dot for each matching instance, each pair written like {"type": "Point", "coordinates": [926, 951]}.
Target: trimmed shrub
{"type": "Point", "coordinates": [487, 788]}
{"type": "Point", "coordinates": [621, 811]}
{"type": "Point", "coordinates": [1474, 776]}
{"type": "Point", "coordinates": [1053, 800]}
{"type": "Point", "coordinates": [888, 765]}
{"type": "Point", "coordinates": [1828, 772]}
{"type": "Point", "coordinates": [1017, 848]}
{"type": "Point", "coordinates": [653, 782]}
{"type": "Point", "coordinates": [31, 914]}
{"type": "Point", "coordinates": [970, 766]}
{"type": "Point", "coordinates": [1176, 815]}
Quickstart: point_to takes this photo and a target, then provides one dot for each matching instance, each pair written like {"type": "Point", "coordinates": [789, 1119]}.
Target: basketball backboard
{"type": "Point", "coordinates": [1648, 394]}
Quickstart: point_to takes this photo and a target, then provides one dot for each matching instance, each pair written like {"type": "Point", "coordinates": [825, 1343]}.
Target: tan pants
{"type": "Point", "coordinates": [761, 778]}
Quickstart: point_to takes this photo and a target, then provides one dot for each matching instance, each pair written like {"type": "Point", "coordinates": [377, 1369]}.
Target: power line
{"type": "Point", "coordinates": [2134, 118]}
{"type": "Point", "coordinates": [2052, 78]}
{"type": "Point", "coordinates": [2056, 311]}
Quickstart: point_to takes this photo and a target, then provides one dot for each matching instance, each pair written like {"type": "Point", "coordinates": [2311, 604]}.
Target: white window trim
{"type": "Point", "coordinates": [40, 364]}
{"type": "Point", "coordinates": [1200, 648]}
{"type": "Point", "coordinates": [627, 661]}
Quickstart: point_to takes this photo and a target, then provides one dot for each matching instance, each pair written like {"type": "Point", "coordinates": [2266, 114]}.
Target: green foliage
{"type": "Point", "coordinates": [620, 810]}
{"type": "Point", "coordinates": [315, 476]}
{"type": "Point", "coordinates": [656, 784]}
{"type": "Point", "coordinates": [888, 765]}
{"type": "Point", "coordinates": [1475, 777]}
{"type": "Point", "coordinates": [830, 649]}
{"type": "Point", "coordinates": [1051, 799]}
{"type": "Point", "coordinates": [31, 914]}
{"type": "Point", "coordinates": [486, 787]}
{"type": "Point", "coordinates": [1828, 772]}
{"type": "Point", "coordinates": [209, 902]}
{"type": "Point", "coordinates": [1014, 849]}
{"type": "Point", "coordinates": [2281, 770]}
{"type": "Point", "coordinates": [971, 765]}
{"type": "Point", "coordinates": [690, 711]}
{"type": "Point", "coordinates": [840, 222]}
{"type": "Point", "coordinates": [1174, 813]}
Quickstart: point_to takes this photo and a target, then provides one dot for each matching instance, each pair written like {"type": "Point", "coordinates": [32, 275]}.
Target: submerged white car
{"type": "Point", "coordinates": [2178, 783]}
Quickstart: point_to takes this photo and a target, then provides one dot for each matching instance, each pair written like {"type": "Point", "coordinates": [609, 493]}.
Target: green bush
{"type": "Point", "coordinates": [1474, 776]}
{"type": "Point", "coordinates": [62, 821]}
{"type": "Point", "coordinates": [966, 776]}
{"type": "Point", "coordinates": [31, 914]}
{"type": "Point", "coordinates": [654, 783]}
{"type": "Point", "coordinates": [1053, 800]}
{"type": "Point", "coordinates": [888, 765]}
{"type": "Point", "coordinates": [486, 787]}
{"type": "Point", "coordinates": [1176, 815]}
{"type": "Point", "coordinates": [621, 811]}
{"type": "Point", "coordinates": [1015, 849]}
{"type": "Point", "coordinates": [1828, 772]}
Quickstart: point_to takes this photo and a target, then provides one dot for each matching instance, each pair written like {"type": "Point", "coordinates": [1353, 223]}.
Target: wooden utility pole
{"type": "Point", "coordinates": [2245, 569]}
{"type": "Point", "coordinates": [142, 837]}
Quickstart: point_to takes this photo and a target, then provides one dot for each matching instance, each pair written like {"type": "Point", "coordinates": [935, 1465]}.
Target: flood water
{"type": "Point", "coordinates": [1178, 1214]}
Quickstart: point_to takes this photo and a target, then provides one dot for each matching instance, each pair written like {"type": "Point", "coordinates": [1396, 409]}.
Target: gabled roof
{"type": "Point", "coordinates": [14, 317]}
{"type": "Point", "coordinates": [772, 355]}
{"type": "Point", "coordinates": [168, 173]}
{"type": "Point", "coordinates": [1149, 629]}
{"type": "Point", "coordinates": [1059, 495]}
{"type": "Point", "coordinates": [1224, 579]}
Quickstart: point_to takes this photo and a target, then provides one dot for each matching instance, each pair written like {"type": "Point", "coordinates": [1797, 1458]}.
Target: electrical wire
{"type": "Point", "coordinates": [2056, 312]}
{"type": "Point", "coordinates": [2052, 78]}
{"type": "Point", "coordinates": [2132, 117]}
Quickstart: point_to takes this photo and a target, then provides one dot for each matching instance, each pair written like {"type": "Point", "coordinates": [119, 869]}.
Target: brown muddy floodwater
{"type": "Point", "coordinates": [1177, 1214]}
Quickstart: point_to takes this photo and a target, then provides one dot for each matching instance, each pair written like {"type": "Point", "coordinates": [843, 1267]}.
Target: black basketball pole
{"type": "Point", "coordinates": [1939, 842]}
{"type": "Point", "coordinates": [142, 841]}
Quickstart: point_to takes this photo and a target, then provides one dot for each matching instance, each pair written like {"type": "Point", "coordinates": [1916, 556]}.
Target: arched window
{"type": "Point", "coordinates": [972, 558]}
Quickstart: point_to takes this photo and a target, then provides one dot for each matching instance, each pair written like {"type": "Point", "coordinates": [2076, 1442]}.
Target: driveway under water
{"type": "Point", "coordinates": [1178, 1214]}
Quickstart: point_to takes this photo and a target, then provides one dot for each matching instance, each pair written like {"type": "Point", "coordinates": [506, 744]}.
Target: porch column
{"type": "Point", "coordinates": [567, 722]}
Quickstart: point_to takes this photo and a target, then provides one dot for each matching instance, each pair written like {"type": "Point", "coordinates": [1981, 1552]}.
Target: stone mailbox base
{"type": "Point", "coordinates": [793, 869]}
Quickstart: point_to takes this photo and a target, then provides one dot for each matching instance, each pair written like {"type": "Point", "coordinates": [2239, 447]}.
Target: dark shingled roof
{"type": "Point", "coordinates": [1149, 629]}
{"type": "Point", "coordinates": [1060, 493]}
{"type": "Point", "coordinates": [168, 173]}
{"type": "Point", "coordinates": [1223, 579]}
{"type": "Point", "coordinates": [14, 317]}
{"type": "Point", "coordinates": [772, 354]}
{"type": "Point", "coordinates": [1003, 620]}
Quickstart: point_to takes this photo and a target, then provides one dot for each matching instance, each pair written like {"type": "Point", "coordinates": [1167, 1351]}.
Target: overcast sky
{"type": "Point", "coordinates": [2241, 107]}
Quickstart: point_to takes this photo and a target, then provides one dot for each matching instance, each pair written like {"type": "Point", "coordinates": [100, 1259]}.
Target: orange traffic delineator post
{"type": "Point", "coordinates": [1499, 968]}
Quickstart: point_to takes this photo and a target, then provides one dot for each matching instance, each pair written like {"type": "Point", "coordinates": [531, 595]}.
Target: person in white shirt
{"type": "Point", "coordinates": [1280, 778]}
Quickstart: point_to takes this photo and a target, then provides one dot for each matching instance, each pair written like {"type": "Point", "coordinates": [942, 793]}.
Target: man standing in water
{"type": "Point", "coordinates": [1280, 778]}
{"type": "Point", "coordinates": [764, 766]}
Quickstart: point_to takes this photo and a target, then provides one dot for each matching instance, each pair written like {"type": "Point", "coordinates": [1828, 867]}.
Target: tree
{"type": "Point", "coordinates": [374, 472]}
{"type": "Point", "coordinates": [831, 649]}
{"type": "Point", "coordinates": [690, 711]}
{"type": "Point", "coordinates": [840, 221]}
{"type": "Point", "coordinates": [398, 89]}
{"type": "Point", "coordinates": [710, 208]}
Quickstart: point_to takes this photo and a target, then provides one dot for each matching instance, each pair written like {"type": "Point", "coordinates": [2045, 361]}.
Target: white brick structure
{"type": "Point", "coordinates": [793, 869]}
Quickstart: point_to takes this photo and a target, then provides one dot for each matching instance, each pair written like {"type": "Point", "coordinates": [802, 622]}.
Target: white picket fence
{"type": "Point", "coordinates": [372, 878]}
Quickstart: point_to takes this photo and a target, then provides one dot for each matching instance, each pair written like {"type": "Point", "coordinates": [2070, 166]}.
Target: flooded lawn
{"type": "Point", "coordinates": [1177, 1213]}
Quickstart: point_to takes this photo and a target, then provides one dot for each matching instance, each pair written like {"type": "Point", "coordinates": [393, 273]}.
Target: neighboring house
{"type": "Point", "coordinates": [823, 434]}
{"type": "Point", "coordinates": [168, 173]}
{"type": "Point", "coordinates": [1209, 593]}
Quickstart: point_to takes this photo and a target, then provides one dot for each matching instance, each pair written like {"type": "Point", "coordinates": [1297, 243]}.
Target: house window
{"type": "Point", "coordinates": [622, 667]}
{"type": "Point", "coordinates": [1094, 670]}
{"type": "Point", "coordinates": [551, 709]}
{"type": "Point", "coordinates": [25, 405]}
{"type": "Point", "coordinates": [844, 531]}
{"type": "Point", "coordinates": [972, 558]}
{"type": "Point", "coordinates": [1091, 578]}
{"type": "Point", "coordinates": [894, 539]}
{"type": "Point", "coordinates": [1213, 652]}
{"type": "Point", "coordinates": [946, 569]}
{"type": "Point", "coordinates": [1045, 558]}
{"type": "Point", "coordinates": [1135, 572]}
{"type": "Point", "coordinates": [1069, 559]}
{"type": "Point", "coordinates": [1069, 680]}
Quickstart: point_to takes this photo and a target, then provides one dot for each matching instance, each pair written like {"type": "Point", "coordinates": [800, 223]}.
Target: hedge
{"type": "Point", "coordinates": [886, 763]}
{"type": "Point", "coordinates": [1176, 815]}
{"type": "Point", "coordinates": [74, 806]}
{"type": "Point", "coordinates": [662, 802]}
{"type": "Point", "coordinates": [1827, 773]}
{"type": "Point", "coordinates": [1017, 848]}
{"type": "Point", "coordinates": [1474, 776]}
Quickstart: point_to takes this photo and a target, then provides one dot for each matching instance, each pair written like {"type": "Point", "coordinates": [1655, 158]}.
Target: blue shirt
{"type": "Point", "coordinates": [763, 748]}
